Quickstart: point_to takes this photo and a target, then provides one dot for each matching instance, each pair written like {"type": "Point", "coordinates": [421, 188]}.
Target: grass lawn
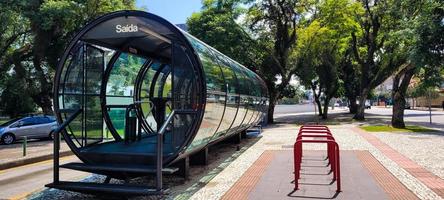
{"type": "Point", "coordinates": [3, 121]}
{"type": "Point", "coordinates": [385, 128]}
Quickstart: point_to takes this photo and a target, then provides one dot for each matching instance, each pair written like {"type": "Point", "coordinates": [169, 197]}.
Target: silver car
{"type": "Point", "coordinates": [32, 127]}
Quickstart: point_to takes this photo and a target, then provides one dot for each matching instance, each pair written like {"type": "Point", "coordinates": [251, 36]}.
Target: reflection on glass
{"type": "Point", "coordinates": [232, 100]}
{"type": "Point", "coordinates": [216, 91]}
{"type": "Point", "coordinates": [72, 91]}
{"type": "Point", "coordinates": [93, 112]}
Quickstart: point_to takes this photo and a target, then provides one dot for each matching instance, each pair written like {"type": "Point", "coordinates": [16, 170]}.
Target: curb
{"type": "Point", "coordinates": [26, 161]}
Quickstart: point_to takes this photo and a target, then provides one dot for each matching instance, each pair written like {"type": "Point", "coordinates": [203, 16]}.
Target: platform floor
{"type": "Point", "coordinates": [146, 146]}
{"type": "Point", "coordinates": [271, 177]}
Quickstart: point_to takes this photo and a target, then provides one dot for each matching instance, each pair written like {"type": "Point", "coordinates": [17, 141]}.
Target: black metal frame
{"type": "Point", "coordinates": [56, 143]}
{"type": "Point", "coordinates": [103, 96]}
{"type": "Point", "coordinates": [137, 94]}
{"type": "Point", "coordinates": [191, 54]}
{"type": "Point", "coordinates": [198, 85]}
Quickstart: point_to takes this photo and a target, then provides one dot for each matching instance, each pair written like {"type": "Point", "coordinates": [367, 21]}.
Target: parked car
{"type": "Point", "coordinates": [33, 127]}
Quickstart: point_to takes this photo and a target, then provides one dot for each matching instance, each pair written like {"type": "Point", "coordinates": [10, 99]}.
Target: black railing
{"type": "Point", "coordinates": [159, 154]}
{"type": "Point", "coordinates": [56, 134]}
{"type": "Point", "coordinates": [159, 146]}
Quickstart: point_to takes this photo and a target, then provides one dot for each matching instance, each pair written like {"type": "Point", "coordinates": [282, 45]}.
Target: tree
{"type": "Point", "coordinates": [216, 25]}
{"type": "Point", "coordinates": [45, 27]}
{"type": "Point", "coordinates": [274, 24]}
{"type": "Point", "coordinates": [350, 78]}
{"type": "Point", "coordinates": [422, 50]}
{"type": "Point", "coordinates": [322, 48]}
{"type": "Point", "coordinates": [264, 47]}
{"type": "Point", "coordinates": [369, 47]}
{"type": "Point", "coordinates": [14, 101]}
{"type": "Point", "coordinates": [297, 97]}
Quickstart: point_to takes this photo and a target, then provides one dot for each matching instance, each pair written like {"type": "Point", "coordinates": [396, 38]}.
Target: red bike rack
{"type": "Point", "coordinates": [332, 152]}
{"type": "Point", "coordinates": [321, 131]}
{"type": "Point", "coordinates": [314, 126]}
{"type": "Point", "coordinates": [317, 128]}
{"type": "Point", "coordinates": [330, 148]}
{"type": "Point", "coordinates": [315, 131]}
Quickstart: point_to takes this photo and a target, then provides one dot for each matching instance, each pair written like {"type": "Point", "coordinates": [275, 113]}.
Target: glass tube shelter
{"type": "Point", "coordinates": [127, 71]}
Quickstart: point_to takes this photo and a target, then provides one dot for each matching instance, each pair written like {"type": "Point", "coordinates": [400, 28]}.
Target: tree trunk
{"type": "Point", "coordinates": [271, 105]}
{"type": "Point", "coordinates": [44, 101]}
{"type": "Point", "coordinates": [325, 112]}
{"type": "Point", "coordinates": [353, 106]}
{"type": "Point", "coordinates": [319, 105]}
{"type": "Point", "coordinates": [44, 97]}
{"type": "Point", "coordinates": [398, 110]}
{"type": "Point", "coordinates": [317, 97]}
{"type": "Point", "coordinates": [361, 107]}
{"type": "Point", "coordinates": [398, 94]}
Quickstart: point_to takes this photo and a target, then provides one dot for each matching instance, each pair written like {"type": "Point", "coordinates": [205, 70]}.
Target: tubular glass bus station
{"type": "Point", "coordinates": [134, 95]}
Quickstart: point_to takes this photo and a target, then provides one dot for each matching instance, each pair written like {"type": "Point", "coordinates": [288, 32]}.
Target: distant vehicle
{"type": "Point", "coordinates": [367, 105]}
{"type": "Point", "coordinates": [33, 127]}
{"type": "Point", "coordinates": [343, 104]}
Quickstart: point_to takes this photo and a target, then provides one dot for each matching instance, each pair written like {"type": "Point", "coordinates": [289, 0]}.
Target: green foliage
{"type": "Point", "coordinates": [33, 37]}
{"type": "Point", "coordinates": [384, 128]}
{"type": "Point", "coordinates": [259, 37]}
{"type": "Point", "coordinates": [428, 46]}
{"type": "Point", "coordinates": [295, 97]}
{"type": "Point", "coordinates": [14, 102]}
{"type": "Point", "coordinates": [216, 25]}
{"type": "Point", "coordinates": [322, 48]}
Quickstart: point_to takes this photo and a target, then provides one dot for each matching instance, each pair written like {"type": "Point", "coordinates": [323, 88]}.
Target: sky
{"type": "Point", "coordinates": [175, 11]}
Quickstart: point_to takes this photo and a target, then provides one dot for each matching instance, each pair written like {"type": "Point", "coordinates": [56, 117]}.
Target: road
{"type": "Point", "coordinates": [416, 117]}
{"type": "Point", "coordinates": [305, 112]}
{"type": "Point", "coordinates": [19, 182]}
{"type": "Point", "coordinates": [34, 148]}
{"type": "Point", "coordinates": [298, 108]}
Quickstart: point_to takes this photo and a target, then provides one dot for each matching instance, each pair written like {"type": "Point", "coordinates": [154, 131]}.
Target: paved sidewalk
{"type": "Point", "coordinates": [275, 181]}
{"type": "Point", "coordinates": [426, 177]}
{"type": "Point", "coordinates": [227, 166]}
{"type": "Point", "coordinates": [12, 155]}
{"type": "Point", "coordinates": [282, 138]}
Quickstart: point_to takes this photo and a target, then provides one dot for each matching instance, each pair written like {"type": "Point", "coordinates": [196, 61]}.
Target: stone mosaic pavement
{"type": "Point", "coordinates": [423, 183]}
{"type": "Point", "coordinates": [412, 160]}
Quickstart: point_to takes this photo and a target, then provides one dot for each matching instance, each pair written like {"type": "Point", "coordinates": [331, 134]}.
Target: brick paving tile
{"type": "Point", "coordinates": [246, 183]}
{"type": "Point", "coordinates": [391, 185]}
{"type": "Point", "coordinates": [277, 161]}
{"type": "Point", "coordinates": [426, 177]}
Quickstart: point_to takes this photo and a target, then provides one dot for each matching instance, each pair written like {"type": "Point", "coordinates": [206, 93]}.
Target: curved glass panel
{"type": "Point", "coordinates": [186, 95]}
{"type": "Point", "coordinates": [232, 100]}
{"type": "Point", "coordinates": [71, 92]}
{"type": "Point", "coordinates": [243, 89]}
{"type": "Point", "coordinates": [127, 71]}
{"type": "Point", "coordinates": [94, 67]}
{"type": "Point", "coordinates": [216, 92]}
{"type": "Point", "coordinates": [120, 88]}
{"type": "Point", "coordinates": [253, 92]}
{"type": "Point", "coordinates": [147, 105]}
